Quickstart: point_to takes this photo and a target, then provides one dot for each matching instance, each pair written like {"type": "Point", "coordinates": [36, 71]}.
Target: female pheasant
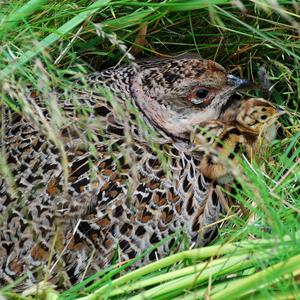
{"type": "Point", "coordinates": [116, 177]}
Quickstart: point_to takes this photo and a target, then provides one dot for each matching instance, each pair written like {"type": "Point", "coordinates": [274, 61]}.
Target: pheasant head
{"type": "Point", "coordinates": [174, 94]}
{"type": "Point", "coordinates": [258, 116]}
{"type": "Point", "coordinates": [183, 92]}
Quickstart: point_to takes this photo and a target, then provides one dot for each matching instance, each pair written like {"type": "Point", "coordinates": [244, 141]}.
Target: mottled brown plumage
{"type": "Point", "coordinates": [114, 175]}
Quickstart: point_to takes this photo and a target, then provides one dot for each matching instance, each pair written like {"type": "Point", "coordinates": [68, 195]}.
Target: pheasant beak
{"type": "Point", "coordinates": [240, 84]}
{"type": "Point", "coordinates": [280, 111]}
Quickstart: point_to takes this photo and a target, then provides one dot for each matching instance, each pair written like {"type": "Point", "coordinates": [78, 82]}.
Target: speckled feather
{"type": "Point", "coordinates": [112, 197]}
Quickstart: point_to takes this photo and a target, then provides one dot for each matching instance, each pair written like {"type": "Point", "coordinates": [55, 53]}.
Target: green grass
{"type": "Point", "coordinates": [256, 255]}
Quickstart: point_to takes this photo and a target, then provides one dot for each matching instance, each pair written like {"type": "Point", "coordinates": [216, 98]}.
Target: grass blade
{"type": "Point", "coordinates": [53, 37]}
{"type": "Point", "coordinates": [266, 276]}
{"type": "Point", "coordinates": [20, 14]}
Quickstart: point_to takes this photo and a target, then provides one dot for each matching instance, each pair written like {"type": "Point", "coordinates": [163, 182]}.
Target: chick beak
{"type": "Point", "coordinates": [240, 84]}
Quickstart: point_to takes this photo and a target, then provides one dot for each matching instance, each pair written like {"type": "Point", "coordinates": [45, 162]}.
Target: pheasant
{"type": "Point", "coordinates": [117, 177]}
{"type": "Point", "coordinates": [241, 129]}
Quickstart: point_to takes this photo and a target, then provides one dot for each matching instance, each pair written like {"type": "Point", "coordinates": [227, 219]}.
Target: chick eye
{"type": "Point", "coordinates": [201, 94]}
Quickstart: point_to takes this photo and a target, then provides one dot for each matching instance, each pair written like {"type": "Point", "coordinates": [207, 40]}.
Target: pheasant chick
{"type": "Point", "coordinates": [240, 130]}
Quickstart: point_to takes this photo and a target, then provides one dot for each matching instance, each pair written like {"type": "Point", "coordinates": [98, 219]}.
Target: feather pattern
{"type": "Point", "coordinates": [117, 176]}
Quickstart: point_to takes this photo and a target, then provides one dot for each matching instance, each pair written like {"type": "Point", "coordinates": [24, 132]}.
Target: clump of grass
{"type": "Point", "coordinates": [256, 255]}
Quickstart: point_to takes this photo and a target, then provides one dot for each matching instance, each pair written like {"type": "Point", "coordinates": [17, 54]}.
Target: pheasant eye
{"type": "Point", "coordinates": [201, 97]}
{"type": "Point", "coordinates": [201, 94]}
